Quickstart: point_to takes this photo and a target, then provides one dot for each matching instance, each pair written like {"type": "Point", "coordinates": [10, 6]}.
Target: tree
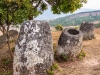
{"type": "Point", "coordinates": [16, 11]}
{"type": "Point", "coordinates": [59, 27]}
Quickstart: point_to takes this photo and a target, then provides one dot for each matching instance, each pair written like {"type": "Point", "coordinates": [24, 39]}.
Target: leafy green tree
{"type": "Point", "coordinates": [16, 11]}
{"type": "Point", "coordinates": [97, 25]}
{"type": "Point", "coordinates": [59, 27]}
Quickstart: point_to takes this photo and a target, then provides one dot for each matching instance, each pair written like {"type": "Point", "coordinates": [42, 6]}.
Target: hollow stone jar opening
{"type": "Point", "coordinates": [73, 31]}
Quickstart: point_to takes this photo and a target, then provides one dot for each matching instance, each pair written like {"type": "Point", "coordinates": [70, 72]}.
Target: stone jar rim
{"type": "Point", "coordinates": [78, 33]}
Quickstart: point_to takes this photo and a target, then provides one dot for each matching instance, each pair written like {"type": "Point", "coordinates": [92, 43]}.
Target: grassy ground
{"type": "Point", "coordinates": [90, 65]}
{"type": "Point", "coordinates": [5, 60]}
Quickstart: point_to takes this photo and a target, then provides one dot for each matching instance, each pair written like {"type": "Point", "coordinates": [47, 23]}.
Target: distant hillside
{"type": "Point", "coordinates": [48, 15]}
{"type": "Point", "coordinates": [77, 19]}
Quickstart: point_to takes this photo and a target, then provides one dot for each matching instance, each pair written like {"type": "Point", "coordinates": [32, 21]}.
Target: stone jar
{"type": "Point", "coordinates": [87, 30]}
{"type": "Point", "coordinates": [33, 51]}
{"type": "Point", "coordinates": [13, 36]}
{"type": "Point", "coordinates": [70, 43]}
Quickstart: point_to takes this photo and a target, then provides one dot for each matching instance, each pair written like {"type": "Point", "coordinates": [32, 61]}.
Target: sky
{"type": "Point", "coordinates": [92, 4]}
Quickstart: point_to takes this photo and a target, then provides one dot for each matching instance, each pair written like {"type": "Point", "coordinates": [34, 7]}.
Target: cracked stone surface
{"type": "Point", "coordinates": [33, 51]}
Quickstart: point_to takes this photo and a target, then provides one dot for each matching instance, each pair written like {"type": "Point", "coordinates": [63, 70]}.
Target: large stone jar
{"type": "Point", "coordinates": [33, 51]}
{"type": "Point", "coordinates": [87, 30]}
{"type": "Point", "coordinates": [70, 43]}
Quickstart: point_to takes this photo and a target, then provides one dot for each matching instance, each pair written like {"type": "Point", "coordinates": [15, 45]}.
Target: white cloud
{"type": "Point", "coordinates": [92, 4]}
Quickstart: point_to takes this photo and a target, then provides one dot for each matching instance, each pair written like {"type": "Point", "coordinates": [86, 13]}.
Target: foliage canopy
{"type": "Point", "coordinates": [20, 10]}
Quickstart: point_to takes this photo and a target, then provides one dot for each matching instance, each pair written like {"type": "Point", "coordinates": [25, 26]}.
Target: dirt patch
{"type": "Point", "coordinates": [91, 62]}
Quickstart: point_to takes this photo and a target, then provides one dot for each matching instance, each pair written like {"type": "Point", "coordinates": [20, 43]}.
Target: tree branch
{"type": "Point", "coordinates": [1, 29]}
{"type": "Point", "coordinates": [38, 4]}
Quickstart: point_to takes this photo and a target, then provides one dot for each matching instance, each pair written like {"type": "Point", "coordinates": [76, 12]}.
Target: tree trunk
{"type": "Point", "coordinates": [30, 17]}
{"type": "Point", "coordinates": [8, 42]}
{"type": "Point", "coordinates": [2, 29]}
{"type": "Point", "coordinates": [4, 32]}
{"type": "Point", "coordinates": [7, 32]}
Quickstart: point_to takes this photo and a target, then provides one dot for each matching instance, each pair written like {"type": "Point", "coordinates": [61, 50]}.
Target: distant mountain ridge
{"type": "Point", "coordinates": [77, 19]}
{"type": "Point", "coordinates": [89, 13]}
{"type": "Point", "coordinates": [48, 15]}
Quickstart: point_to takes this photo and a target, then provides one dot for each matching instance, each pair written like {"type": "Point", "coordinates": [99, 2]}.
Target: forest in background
{"type": "Point", "coordinates": [77, 19]}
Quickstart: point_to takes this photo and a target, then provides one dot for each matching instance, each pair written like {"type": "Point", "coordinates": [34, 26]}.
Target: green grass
{"type": "Point", "coordinates": [9, 72]}
{"type": "Point", "coordinates": [53, 67]}
{"type": "Point", "coordinates": [6, 61]}
{"type": "Point", "coordinates": [54, 46]}
{"type": "Point", "coordinates": [60, 58]}
{"type": "Point", "coordinates": [11, 41]}
{"type": "Point", "coordinates": [50, 72]}
{"type": "Point", "coordinates": [13, 49]}
{"type": "Point", "coordinates": [81, 55]}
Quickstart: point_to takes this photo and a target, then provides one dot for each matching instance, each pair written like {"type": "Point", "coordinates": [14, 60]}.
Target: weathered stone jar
{"type": "Point", "coordinates": [13, 35]}
{"type": "Point", "coordinates": [87, 30]}
{"type": "Point", "coordinates": [70, 43]}
{"type": "Point", "coordinates": [33, 51]}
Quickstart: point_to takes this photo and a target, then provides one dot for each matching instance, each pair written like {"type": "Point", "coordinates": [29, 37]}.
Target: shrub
{"type": "Point", "coordinates": [81, 55]}
{"type": "Point", "coordinates": [54, 46]}
{"type": "Point", "coordinates": [13, 49]}
{"type": "Point", "coordinates": [59, 27]}
{"type": "Point", "coordinates": [11, 41]}
{"type": "Point", "coordinates": [77, 27]}
{"type": "Point", "coordinates": [6, 61]}
{"type": "Point", "coordinates": [60, 58]}
{"type": "Point", "coordinates": [50, 72]}
{"type": "Point", "coordinates": [97, 25]}
{"type": "Point", "coordinates": [53, 67]}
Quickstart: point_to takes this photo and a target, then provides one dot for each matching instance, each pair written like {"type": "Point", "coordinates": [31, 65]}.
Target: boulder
{"type": "Point", "coordinates": [70, 43]}
{"type": "Point", "coordinates": [87, 30]}
{"type": "Point", "coordinates": [13, 36]}
{"type": "Point", "coordinates": [33, 51]}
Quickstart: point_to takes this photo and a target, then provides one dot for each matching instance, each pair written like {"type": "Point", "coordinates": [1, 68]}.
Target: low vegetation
{"type": "Point", "coordinates": [6, 66]}
{"type": "Point", "coordinates": [81, 55]}
{"type": "Point", "coordinates": [9, 72]}
{"type": "Point", "coordinates": [60, 58]}
{"type": "Point", "coordinates": [54, 46]}
{"type": "Point", "coordinates": [52, 69]}
{"type": "Point", "coordinates": [77, 27]}
{"type": "Point", "coordinates": [97, 25]}
{"type": "Point", "coordinates": [59, 27]}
